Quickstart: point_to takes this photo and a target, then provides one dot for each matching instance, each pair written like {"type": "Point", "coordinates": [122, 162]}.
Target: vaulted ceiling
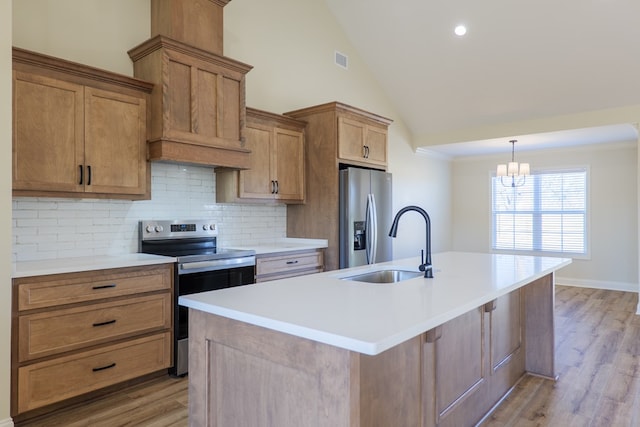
{"type": "Point", "coordinates": [519, 61]}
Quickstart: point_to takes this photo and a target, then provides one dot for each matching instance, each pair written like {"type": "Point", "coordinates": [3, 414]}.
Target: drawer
{"type": "Point", "coordinates": [289, 263]}
{"type": "Point", "coordinates": [57, 331]}
{"type": "Point", "coordinates": [60, 289]}
{"type": "Point", "coordinates": [290, 273]}
{"type": "Point", "coordinates": [52, 381]}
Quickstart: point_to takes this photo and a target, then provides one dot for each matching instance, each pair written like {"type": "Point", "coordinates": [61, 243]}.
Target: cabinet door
{"type": "Point", "coordinates": [376, 145]}
{"type": "Point", "coordinates": [351, 135]}
{"type": "Point", "coordinates": [455, 377]}
{"type": "Point", "coordinates": [203, 102]}
{"type": "Point", "coordinates": [256, 182]}
{"type": "Point", "coordinates": [47, 133]}
{"type": "Point", "coordinates": [115, 138]}
{"type": "Point", "coordinates": [288, 164]}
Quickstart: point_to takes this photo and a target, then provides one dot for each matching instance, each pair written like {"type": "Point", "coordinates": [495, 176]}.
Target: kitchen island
{"type": "Point", "coordinates": [318, 350]}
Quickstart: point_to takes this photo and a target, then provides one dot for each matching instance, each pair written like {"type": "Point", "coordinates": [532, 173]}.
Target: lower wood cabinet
{"type": "Point", "coordinates": [451, 375]}
{"type": "Point", "coordinates": [472, 361]}
{"type": "Point", "coordinates": [288, 264]}
{"type": "Point", "coordinates": [76, 333]}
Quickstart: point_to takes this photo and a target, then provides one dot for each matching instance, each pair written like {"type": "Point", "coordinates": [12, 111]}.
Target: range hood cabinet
{"type": "Point", "coordinates": [197, 104]}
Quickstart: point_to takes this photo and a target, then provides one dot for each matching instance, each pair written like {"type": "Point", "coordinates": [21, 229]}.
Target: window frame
{"type": "Point", "coordinates": [587, 213]}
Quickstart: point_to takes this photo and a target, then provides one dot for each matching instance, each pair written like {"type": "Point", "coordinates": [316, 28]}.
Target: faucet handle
{"type": "Point", "coordinates": [422, 266]}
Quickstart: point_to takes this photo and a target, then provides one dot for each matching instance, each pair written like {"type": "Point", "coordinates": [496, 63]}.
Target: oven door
{"type": "Point", "coordinates": [200, 281]}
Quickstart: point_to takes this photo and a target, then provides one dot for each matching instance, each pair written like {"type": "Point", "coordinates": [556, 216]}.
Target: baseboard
{"type": "Point", "coordinates": [598, 284]}
{"type": "Point", "coordinates": [6, 423]}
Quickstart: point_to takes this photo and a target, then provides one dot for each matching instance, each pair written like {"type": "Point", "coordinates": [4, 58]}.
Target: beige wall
{"type": "Point", "coordinates": [612, 212]}
{"type": "Point", "coordinates": [92, 32]}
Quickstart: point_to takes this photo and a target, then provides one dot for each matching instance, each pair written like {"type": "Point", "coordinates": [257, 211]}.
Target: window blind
{"type": "Point", "coordinates": [547, 214]}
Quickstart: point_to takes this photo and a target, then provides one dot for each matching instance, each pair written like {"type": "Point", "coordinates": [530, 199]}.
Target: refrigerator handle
{"type": "Point", "coordinates": [367, 228]}
{"type": "Point", "coordinates": [372, 229]}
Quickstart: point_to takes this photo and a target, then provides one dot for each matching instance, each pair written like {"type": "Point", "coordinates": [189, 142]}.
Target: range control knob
{"type": "Point", "coordinates": [205, 227]}
{"type": "Point", "coordinates": [150, 228]}
{"type": "Point", "coordinates": [212, 227]}
{"type": "Point", "coordinates": [159, 228]}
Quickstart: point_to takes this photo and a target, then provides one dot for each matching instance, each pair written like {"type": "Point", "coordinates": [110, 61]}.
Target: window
{"type": "Point", "coordinates": [547, 215]}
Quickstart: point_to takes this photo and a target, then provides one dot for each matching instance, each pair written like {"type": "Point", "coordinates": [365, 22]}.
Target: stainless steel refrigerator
{"type": "Point", "coordinates": [365, 217]}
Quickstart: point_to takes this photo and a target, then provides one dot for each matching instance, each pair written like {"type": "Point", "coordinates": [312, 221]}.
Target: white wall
{"type": "Point", "coordinates": [5, 214]}
{"type": "Point", "coordinates": [293, 68]}
{"type": "Point", "coordinates": [612, 215]}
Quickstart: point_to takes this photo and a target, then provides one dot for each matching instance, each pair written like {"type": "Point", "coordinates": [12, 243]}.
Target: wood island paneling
{"type": "Point", "coordinates": [452, 375]}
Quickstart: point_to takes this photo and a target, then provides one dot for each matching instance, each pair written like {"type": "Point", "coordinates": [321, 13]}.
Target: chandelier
{"type": "Point", "coordinates": [517, 172]}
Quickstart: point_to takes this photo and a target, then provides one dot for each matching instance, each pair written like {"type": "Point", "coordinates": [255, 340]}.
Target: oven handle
{"type": "Point", "coordinates": [217, 264]}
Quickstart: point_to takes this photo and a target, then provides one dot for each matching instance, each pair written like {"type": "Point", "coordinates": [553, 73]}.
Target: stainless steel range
{"type": "Point", "coordinates": [201, 266]}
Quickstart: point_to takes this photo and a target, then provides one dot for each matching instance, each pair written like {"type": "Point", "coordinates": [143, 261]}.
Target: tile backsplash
{"type": "Point", "coordinates": [49, 228]}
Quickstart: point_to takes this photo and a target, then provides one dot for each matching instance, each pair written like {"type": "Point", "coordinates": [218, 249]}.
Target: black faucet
{"type": "Point", "coordinates": [424, 265]}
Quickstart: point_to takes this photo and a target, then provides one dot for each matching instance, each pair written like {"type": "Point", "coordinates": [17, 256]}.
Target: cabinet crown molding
{"type": "Point", "coordinates": [339, 107]}
{"type": "Point", "coordinates": [86, 72]}
{"type": "Point", "coordinates": [163, 42]}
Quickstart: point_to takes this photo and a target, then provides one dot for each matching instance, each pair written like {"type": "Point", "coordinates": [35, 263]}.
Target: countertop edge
{"type": "Point", "coordinates": [357, 345]}
{"type": "Point", "coordinates": [286, 244]}
{"type": "Point", "coordinates": [81, 264]}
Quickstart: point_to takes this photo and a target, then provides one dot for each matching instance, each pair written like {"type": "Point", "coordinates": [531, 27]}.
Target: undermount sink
{"type": "Point", "coordinates": [384, 276]}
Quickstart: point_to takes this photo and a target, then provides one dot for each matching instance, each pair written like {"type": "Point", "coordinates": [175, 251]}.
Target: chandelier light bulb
{"type": "Point", "coordinates": [516, 171]}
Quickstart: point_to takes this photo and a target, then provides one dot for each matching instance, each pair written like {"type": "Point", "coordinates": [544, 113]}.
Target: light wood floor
{"type": "Point", "coordinates": [161, 402]}
{"type": "Point", "coordinates": [597, 358]}
{"type": "Point", "coordinates": [598, 362]}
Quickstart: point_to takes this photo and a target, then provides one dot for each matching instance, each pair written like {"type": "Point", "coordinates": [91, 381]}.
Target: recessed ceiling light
{"type": "Point", "coordinates": [460, 30]}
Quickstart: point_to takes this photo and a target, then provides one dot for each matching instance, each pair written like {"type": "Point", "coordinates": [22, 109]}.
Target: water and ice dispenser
{"type": "Point", "coordinates": [359, 235]}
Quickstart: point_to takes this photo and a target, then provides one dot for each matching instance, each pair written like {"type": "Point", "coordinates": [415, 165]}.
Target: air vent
{"type": "Point", "coordinates": [341, 60]}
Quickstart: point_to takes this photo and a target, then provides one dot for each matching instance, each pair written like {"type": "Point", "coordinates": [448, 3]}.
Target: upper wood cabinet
{"type": "Point", "coordinates": [276, 167]}
{"type": "Point", "coordinates": [197, 105]}
{"type": "Point", "coordinates": [361, 142]}
{"type": "Point", "coordinates": [77, 131]}
{"type": "Point", "coordinates": [336, 134]}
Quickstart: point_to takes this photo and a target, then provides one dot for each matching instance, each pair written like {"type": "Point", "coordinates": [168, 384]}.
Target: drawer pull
{"type": "Point", "coordinates": [108, 322]}
{"type": "Point", "coordinates": [292, 262]}
{"type": "Point", "coordinates": [102, 368]}
{"type": "Point", "coordinates": [113, 285]}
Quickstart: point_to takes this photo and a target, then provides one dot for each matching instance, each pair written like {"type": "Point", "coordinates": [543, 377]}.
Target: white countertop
{"type": "Point", "coordinates": [371, 318]}
{"type": "Point", "coordinates": [71, 265]}
{"type": "Point", "coordinates": [287, 244]}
